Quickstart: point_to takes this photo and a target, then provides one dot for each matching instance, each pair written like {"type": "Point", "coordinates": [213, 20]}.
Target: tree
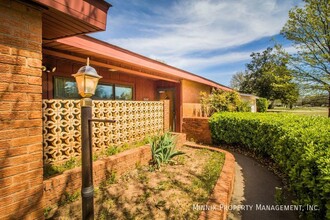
{"type": "Point", "coordinates": [268, 76]}
{"type": "Point", "coordinates": [309, 29]}
{"type": "Point", "coordinates": [237, 79]}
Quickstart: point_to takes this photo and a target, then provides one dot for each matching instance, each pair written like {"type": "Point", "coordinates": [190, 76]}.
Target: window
{"type": "Point", "coordinates": [103, 92]}
{"type": "Point", "coordinates": [123, 93]}
{"type": "Point", "coordinates": [66, 88]}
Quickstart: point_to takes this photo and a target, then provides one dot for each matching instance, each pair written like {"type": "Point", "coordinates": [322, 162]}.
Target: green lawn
{"type": "Point", "coordinates": [307, 111]}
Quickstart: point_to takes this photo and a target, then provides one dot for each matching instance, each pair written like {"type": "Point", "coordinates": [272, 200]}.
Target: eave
{"type": "Point", "coordinates": [86, 46]}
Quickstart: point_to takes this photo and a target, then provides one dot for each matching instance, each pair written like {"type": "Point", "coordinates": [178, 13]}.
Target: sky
{"type": "Point", "coordinates": [210, 38]}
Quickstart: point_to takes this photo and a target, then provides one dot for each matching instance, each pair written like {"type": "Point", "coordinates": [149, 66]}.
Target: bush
{"type": "Point", "coordinates": [262, 105]}
{"type": "Point", "coordinates": [299, 146]}
{"type": "Point", "coordinates": [222, 101]}
{"type": "Point", "coordinates": [244, 106]}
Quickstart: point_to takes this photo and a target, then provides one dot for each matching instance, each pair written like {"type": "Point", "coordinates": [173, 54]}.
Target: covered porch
{"type": "Point", "coordinates": [126, 76]}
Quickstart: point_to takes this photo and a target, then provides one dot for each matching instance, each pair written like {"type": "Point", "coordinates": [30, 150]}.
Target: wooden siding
{"type": "Point", "coordinates": [178, 100]}
{"type": "Point", "coordinates": [143, 89]}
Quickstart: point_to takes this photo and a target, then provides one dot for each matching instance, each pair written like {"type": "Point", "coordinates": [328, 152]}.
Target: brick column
{"type": "Point", "coordinates": [21, 164]}
{"type": "Point", "coordinates": [166, 115]}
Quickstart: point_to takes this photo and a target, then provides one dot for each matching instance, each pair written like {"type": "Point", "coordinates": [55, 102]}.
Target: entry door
{"type": "Point", "coordinates": [169, 94]}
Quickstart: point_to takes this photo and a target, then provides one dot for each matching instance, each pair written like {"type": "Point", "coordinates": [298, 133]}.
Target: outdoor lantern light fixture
{"type": "Point", "coordinates": [87, 80]}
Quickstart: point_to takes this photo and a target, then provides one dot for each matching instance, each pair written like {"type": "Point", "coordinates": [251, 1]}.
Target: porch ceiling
{"type": "Point", "coordinates": [63, 18]}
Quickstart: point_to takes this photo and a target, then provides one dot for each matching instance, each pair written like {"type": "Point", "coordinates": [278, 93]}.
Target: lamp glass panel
{"type": "Point", "coordinates": [90, 85]}
{"type": "Point", "coordinates": [81, 85]}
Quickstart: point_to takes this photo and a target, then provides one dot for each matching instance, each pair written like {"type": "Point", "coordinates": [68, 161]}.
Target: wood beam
{"type": "Point", "coordinates": [101, 64]}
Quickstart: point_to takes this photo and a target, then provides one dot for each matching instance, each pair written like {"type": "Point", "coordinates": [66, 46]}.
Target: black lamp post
{"type": "Point", "coordinates": [87, 80]}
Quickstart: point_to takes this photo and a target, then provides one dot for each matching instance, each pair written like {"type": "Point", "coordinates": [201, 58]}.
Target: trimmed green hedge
{"type": "Point", "coordinates": [262, 104]}
{"type": "Point", "coordinates": [299, 145]}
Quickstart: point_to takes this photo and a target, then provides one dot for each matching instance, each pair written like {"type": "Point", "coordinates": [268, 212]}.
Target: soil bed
{"type": "Point", "coordinates": [145, 193]}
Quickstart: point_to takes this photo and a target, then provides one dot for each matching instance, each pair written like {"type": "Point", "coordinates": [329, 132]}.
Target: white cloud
{"type": "Point", "coordinates": [190, 26]}
{"type": "Point", "coordinates": [186, 28]}
{"type": "Point", "coordinates": [198, 64]}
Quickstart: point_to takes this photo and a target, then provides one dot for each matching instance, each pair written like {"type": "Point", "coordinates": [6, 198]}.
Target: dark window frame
{"type": "Point", "coordinates": [114, 85]}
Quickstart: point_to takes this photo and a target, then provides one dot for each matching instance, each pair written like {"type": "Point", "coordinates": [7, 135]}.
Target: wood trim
{"type": "Point", "coordinates": [100, 64]}
{"type": "Point", "coordinates": [93, 13]}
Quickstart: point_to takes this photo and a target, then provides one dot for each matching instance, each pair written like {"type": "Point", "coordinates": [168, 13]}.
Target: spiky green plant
{"type": "Point", "coordinates": [162, 149]}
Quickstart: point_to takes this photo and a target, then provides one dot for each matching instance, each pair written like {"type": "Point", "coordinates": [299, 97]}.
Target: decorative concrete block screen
{"type": "Point", "coordinates": [61, 125]}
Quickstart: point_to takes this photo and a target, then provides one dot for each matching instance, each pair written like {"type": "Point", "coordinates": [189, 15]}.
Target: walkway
{"type": "Point", "coordinates": [254, 186]}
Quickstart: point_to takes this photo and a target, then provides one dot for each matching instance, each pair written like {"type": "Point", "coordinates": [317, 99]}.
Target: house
{"type": "Point", "coordinates": [25, 26]}
{"type": "Point", "coordinates": [126, 76]}
{"type": "Point", "coordinates": [251, 99]}
{"type": "Point", "coordinates": [42, 43]}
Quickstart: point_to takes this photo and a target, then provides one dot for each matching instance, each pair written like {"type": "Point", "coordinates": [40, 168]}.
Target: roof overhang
{"type": "Point", "coordinates": [248, 95]}
{"type": "Point", "coordinates": [121, 59]}
{"type": "Point", "coordinates": [63, 18]}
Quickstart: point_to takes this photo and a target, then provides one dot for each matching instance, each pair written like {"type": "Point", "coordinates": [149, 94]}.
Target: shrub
{"type": "Point", "coordinates": [162, 149]}
{"type": "Point", "coordinates": [262, 105]}
{"type": "Point", "coordinates": [244, 106]}
{"type": "Point", "coordinates": [222, 101]}
{"type": "Point", "coordinates": [299, 146]}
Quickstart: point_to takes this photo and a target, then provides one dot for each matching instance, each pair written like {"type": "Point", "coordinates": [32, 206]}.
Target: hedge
{"type": "Point", "coordinates": [262, 104]}
{"type": "Point", "coordinates": [299, 145]}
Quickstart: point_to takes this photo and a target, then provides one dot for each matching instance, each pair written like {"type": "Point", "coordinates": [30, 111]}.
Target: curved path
{"type": "Point", "coordinates": [255, 186]}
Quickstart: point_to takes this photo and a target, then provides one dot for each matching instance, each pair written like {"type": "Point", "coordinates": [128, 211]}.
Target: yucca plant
{"type": "Point", "coordinates": [162, 149]}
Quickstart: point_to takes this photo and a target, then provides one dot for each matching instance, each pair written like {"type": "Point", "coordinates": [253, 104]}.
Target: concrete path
{"type": "Point", "coordinates": [254, 187]}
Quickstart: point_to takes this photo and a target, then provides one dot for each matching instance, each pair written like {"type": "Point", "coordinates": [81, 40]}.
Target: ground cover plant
{"type": "Point", "coordinates": [299, 146]}
{"type": "Point", "coordinates": [147, 193]}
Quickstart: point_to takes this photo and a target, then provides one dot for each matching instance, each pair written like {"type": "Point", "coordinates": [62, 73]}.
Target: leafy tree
{"type": "Point", "coordinates": [237, 80]}
{"type": "Point", "coordinates": [309, 29]}
{"type": "Point", "coordinates": [315, 100]}
{"type": "Point", "coordinates": [268, 76]}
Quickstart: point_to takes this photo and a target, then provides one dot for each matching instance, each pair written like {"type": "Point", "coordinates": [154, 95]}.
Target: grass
{"type": "Point", "coordinates": [110, 179]}
{"type": "Point", "coordinates": [210, 172]}
{"type": "Point", "coordinates": [166, 193]}
{"type": "Point", "coordinates": [306, 111]}
{"type": "Point", "coordinates": [52, 169]}
{"type": "Point", "coordinates": [69, 198]}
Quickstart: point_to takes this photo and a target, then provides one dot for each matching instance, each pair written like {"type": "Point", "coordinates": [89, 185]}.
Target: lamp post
{"type": "Point", "coordinates": [87, 80]}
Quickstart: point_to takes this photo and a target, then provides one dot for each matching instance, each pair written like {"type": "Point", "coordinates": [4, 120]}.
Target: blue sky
{"type": "Point", "coordinates": [210, 38]}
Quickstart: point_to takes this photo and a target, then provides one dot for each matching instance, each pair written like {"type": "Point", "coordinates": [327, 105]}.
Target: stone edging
{"type": "Point", "coordinates": [222, 192]}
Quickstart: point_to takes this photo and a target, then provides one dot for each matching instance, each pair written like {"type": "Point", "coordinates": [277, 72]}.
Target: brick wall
{"type": "Point", "coordinates": [180, 139]}
{"type": "Point", "coordinates": [21, 181]}
{"type": "Point", "coordinates": [197, 129]}
{"type": "Point", "coordinates": [70, 181]}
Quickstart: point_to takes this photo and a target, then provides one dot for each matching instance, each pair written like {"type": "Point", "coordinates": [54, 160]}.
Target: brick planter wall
{"type": "Point", "coordinates": [197, 129]}
{"type": "Point", "coordinates": [21, 166]}
{"type": "Point", "coordinates": [70, 181]}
